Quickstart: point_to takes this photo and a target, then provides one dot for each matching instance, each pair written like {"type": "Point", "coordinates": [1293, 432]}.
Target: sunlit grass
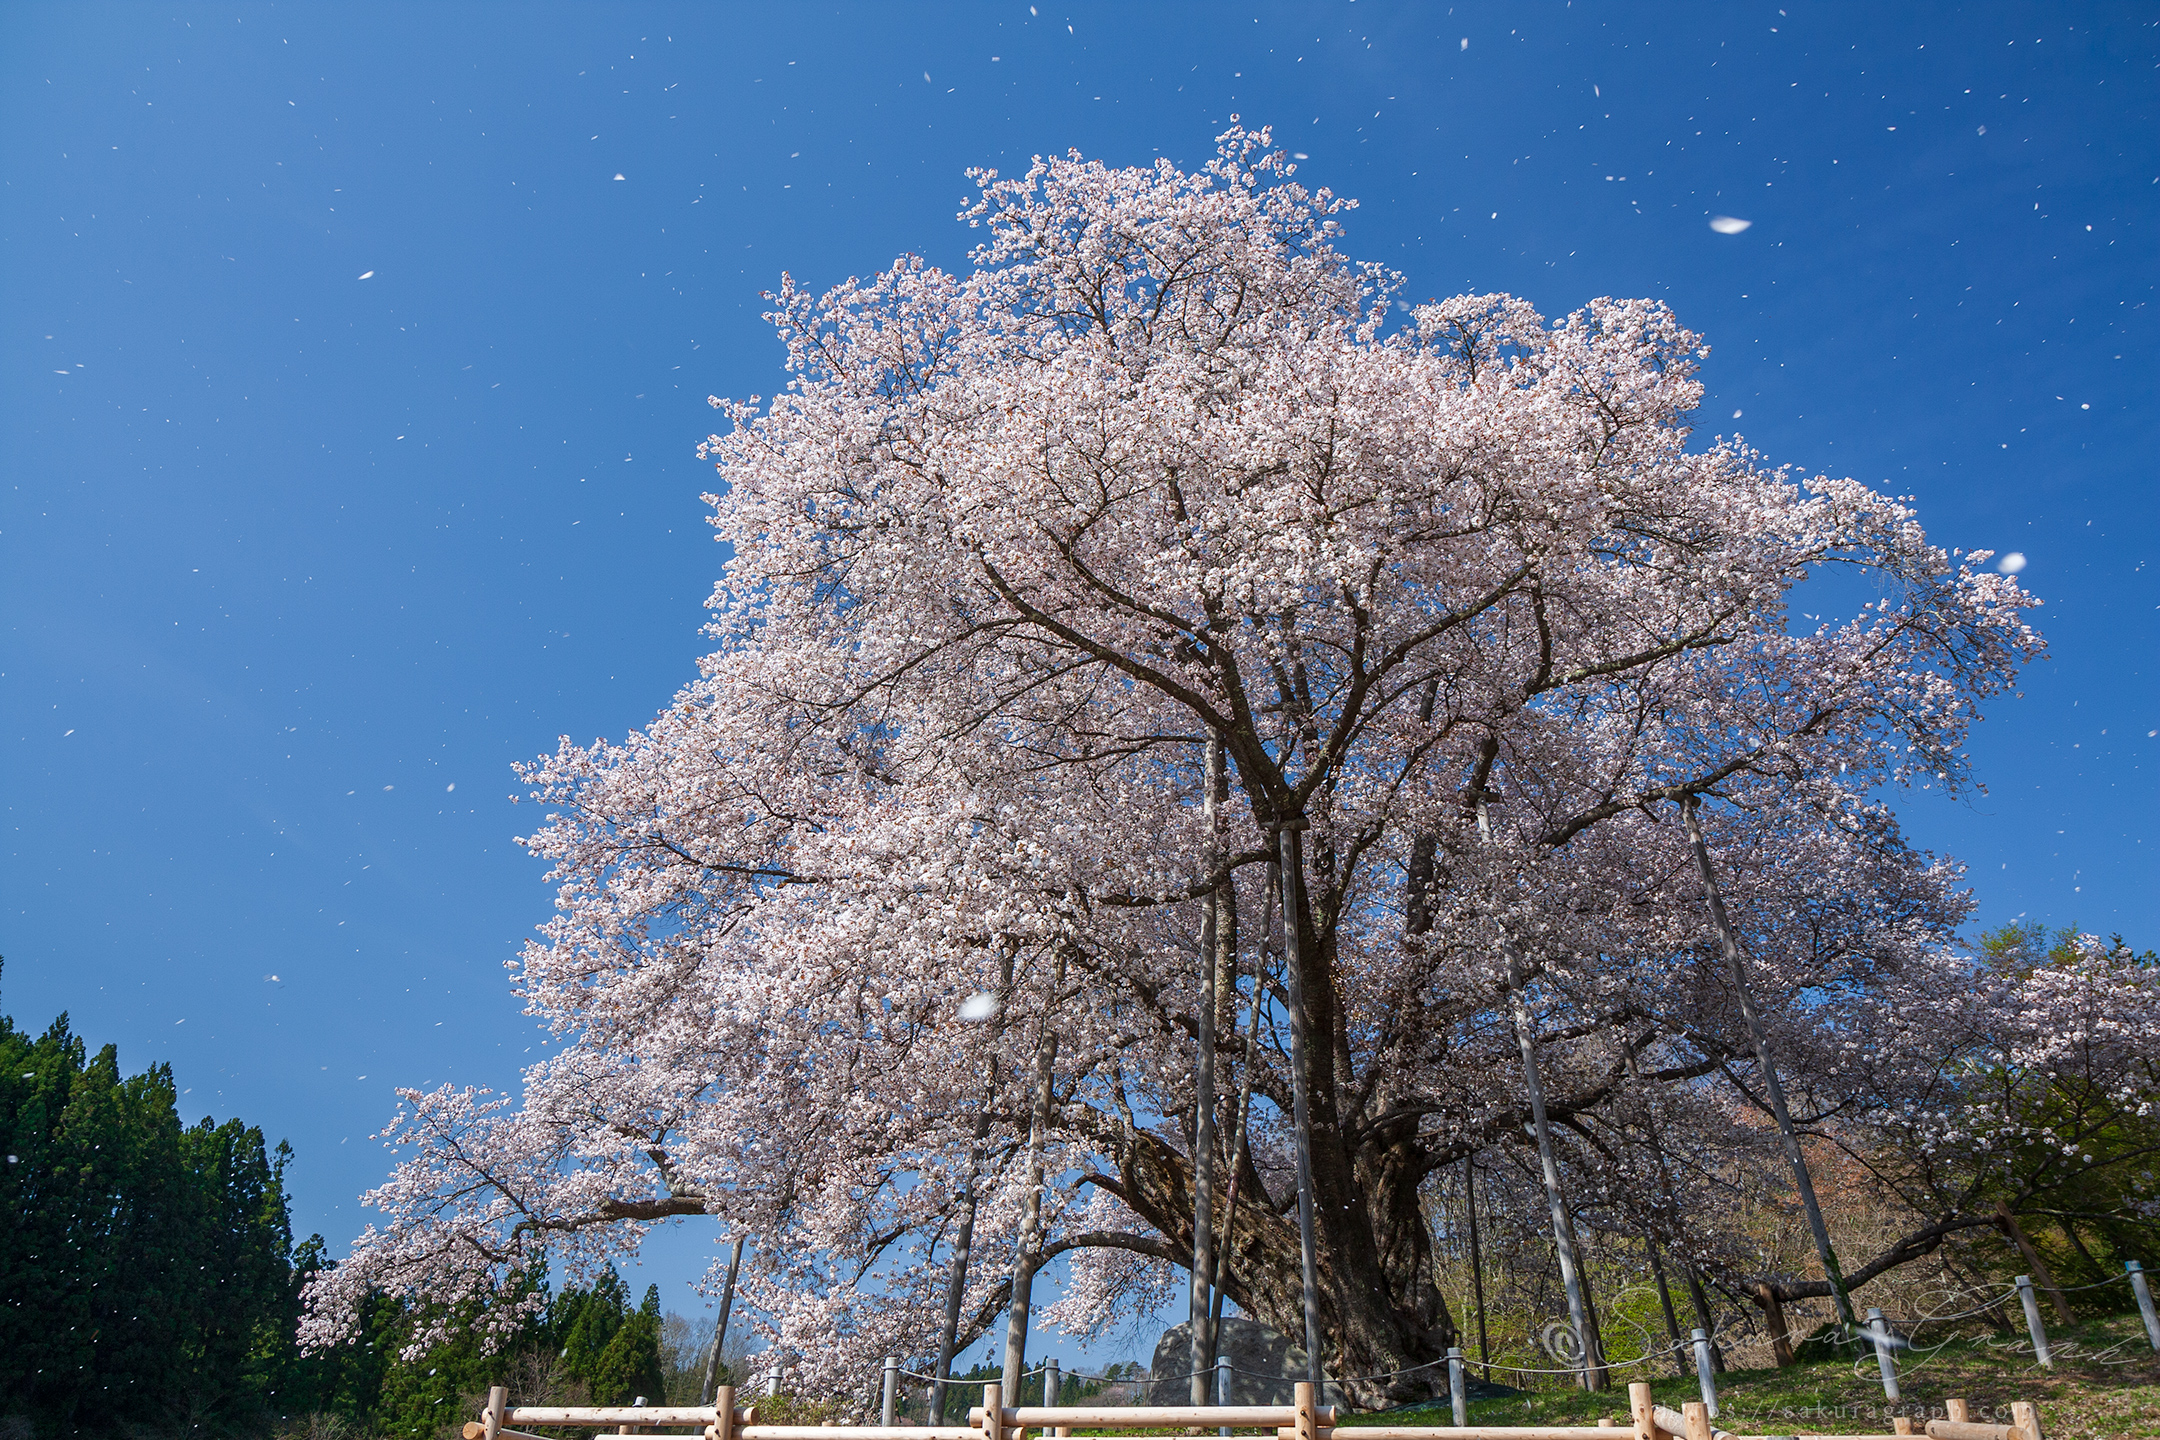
{"type": "Point", "coordinates": [2105, 1386]}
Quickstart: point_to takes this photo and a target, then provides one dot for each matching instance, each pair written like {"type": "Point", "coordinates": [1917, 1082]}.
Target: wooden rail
{"type": "Point", "coordinates": [1156, 1417]}
{"type": "Point", "coordinates": [1301, 1420]}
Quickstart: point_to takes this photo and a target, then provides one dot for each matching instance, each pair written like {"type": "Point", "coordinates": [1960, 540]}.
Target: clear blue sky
{"type": "Point", "coordinates": [275, 539]}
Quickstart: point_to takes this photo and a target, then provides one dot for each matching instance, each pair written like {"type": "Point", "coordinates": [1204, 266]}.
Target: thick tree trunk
{"type": "Point", "coordinates": [1379, 1305]}
{"type": "Point", "coordinates": [1394, 1319]}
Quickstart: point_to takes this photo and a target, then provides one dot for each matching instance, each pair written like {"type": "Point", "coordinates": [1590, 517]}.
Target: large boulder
{"type": "Point", "coordinates": [1264, 1365]}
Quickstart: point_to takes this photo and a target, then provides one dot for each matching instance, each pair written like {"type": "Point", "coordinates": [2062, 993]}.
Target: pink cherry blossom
{"type": "Point", "coordinates": [1009, 546]}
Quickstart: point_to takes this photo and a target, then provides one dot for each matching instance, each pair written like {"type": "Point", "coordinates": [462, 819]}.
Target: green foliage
{"type": "Point", "coordinates": [144, 1270]}
{"type": "Point", "coordinates": [966, 1388]}
{"type": "Point", "coordinates": [587, 1321]}
{"type": "Point", "coordinates": [2105, 1384]}
{"type": "Point", "coordinates": [149, 1283]}
{"type": "Point", "coordinates": [630, 1365]}
{"type": "Point", "coordinates": [2085, 1165]}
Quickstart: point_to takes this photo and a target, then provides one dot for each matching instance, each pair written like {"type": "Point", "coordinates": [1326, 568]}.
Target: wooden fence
{"type": "Point", "coordinates": [1301, 1420]}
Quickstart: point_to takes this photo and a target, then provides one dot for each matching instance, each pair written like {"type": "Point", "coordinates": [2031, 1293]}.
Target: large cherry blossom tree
{"type": "Point", "coordinates": [1011, 550]}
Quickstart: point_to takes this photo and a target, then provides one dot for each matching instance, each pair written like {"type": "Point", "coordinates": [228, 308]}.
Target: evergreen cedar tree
{"type": "Point", "coordinates": [145, 1265]}
{"type": "Point", "coordinates": [150, 1281]}
{"type": "Point", "coordinates": [1007, 551]}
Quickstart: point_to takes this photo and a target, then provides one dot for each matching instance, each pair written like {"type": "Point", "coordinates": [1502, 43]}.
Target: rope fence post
{"type": "Point", "coordinates": [772, 1380]}
{"type": "Point", "coordinates": [1053, 1382]}
{"type": "Point", "coordinates": [2143, 1291]}
{"type": "Point", "coordinates": [2031, 1303]}
{"type": "Point", "coordinates": [1222, 1387]}
{"type": "Point", "coordinates": [889, 1393]}
{"type": "Point", "coordinates": [1705, 1377]}
{"type": "Point", "coordinates": [1879, 1332]}
{"type": "Point", "coordinates": [1457, 1400]}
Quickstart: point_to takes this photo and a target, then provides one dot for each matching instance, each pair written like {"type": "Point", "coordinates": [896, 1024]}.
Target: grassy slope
{"type": "Point", "coordinates": [2105, 1386]}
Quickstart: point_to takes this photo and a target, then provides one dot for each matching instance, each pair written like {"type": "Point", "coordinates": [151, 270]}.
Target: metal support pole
{"type": "Point", "coordinates": [889, 1399]}
{"type": "Point", "coordinates": [1222, 1386]}
{"type": "Point", "coordinates": [1477, 1264]}
{"type": "Point", "coordinates": [2143, 1292]}
{"type": "Point", "coordinates": [772, 1380]}
{"type": "Point", "coordinates": [1293, 889]}
{"type": "Point", "coordinates": [1053, 1382]}
{"type": "Point", "coordinates": [719, 1334]}
{"type": "Point", "coordinates": [1213, 931]}
{"type": "Point", "coordinates": [2032, 1322]}
{"type": "Point", "coordinates": [1705, 1377]}
{"type": "Point", "coordinates": [1456, 1398]}
{"type": "Point", "coordinates": [1879, 1332]}
{"type": "Point", "coordinates": [1595, 1375]}
{"type": "Point", "coordinates": [1729, 940]}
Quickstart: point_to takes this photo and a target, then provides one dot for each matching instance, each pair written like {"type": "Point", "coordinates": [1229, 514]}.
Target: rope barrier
{"type": "Point", "coordinates": [2003, 1299]}
{"type": "Point", "coordinates": [1859, 1337]}
{"type": "Point", "coordinates": [2111, 1280]}
{"type": "Point", "coordinates": [1983, 1308]}
{"type": "Point", "coordinates": [983, 1380]}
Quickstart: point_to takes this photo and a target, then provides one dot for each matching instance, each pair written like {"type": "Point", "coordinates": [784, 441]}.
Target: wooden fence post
{"type": "Point", "coordinates": [723, 1421]}
{"type": "Point", "coordinates": [1640, 1404]}
{"type": "Point", "coordinates": [1901, 1425]}
{"type": "Point", "coordinates": [1957, 1412]}
{"type": "Point", "coordinates": [1308, 1420]}
{"type": "Point", "coordinates": [498, 1405]}
{"type": "Point", "coordinates": [1697, 1416]}
{"type": "Point", "coordinates": [993, 1411]}
{"type": "Point", "coordinates": [2026, 1418]}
